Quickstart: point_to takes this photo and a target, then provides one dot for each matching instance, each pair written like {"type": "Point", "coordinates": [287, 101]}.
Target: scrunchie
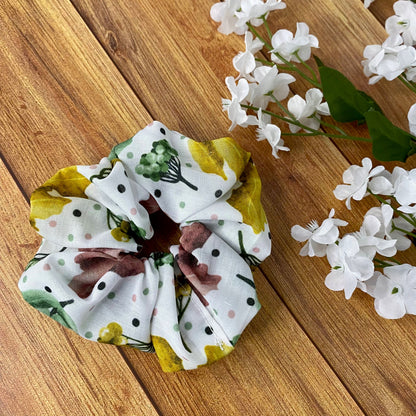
{"type": "Point", "coordinates": [189, 305]}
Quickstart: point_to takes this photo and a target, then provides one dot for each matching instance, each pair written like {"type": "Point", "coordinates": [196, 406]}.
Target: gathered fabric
{"type": "Point", "coordinates": [190, 304]}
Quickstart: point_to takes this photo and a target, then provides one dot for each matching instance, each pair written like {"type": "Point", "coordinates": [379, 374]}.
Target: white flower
{"type": "Point", "coordinates": [405, 187]}
{"type": "Point", "coordinates": [395, 293]}
{"type": "Point", "coordinates": [235, 14]}
{"type": "Point", "coordinates": [388, 60]}
{"type": "Point", "coordinates": [349, 266]}
{"type": "Point", "coordinates": [371, 240]}
{"type": "Point", "coordinates": [307, 111]}
{"type": "Point", "coordinates": [356, 178]}
{"type": "Point", "coordinates": [381, 184]}
{"type": "Point", "coordinates": [367, 3]}
{"type": "Point", "coordinates": [245, 62]}
{"type": "Point", "coordinates": [224, 12]}
{"type": "Point", "coordinates": [269, 81]}
{"type": "Point", "coordinates": [236, 114]}
{"type": "Point", "coordinates": [288, 46]}
{"type": "Point", "coordinates": [411, 116]}
{"type": "Point", "coordinates": [252, 10]}
{"type": "Point", "coordinates": [384, 214]}
{"type": "Point", "coordinates": [271, 133]}
{"type": "Point", "coordinates": [318, 237]}
{"type": "Point", "coordinates": [404, 21]}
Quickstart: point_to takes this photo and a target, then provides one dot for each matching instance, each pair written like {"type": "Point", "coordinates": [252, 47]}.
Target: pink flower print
{"type": "Point", "coordinates": [95, 263]}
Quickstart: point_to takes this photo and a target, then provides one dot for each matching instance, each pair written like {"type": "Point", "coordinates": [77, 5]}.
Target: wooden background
{"type": "Point", "coordinates": [77, 77]}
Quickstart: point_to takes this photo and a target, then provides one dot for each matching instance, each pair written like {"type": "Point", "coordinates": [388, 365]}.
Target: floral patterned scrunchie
{"type": "Point", "coordinates": [189, 305]}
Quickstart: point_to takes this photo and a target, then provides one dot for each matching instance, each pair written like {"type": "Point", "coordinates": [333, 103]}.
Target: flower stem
{"type": "Point", "coordinates": [308, 67]}
{"type": "Point", "coordinates": [399, 213]}
{"type": "Point", "coordinates": [332, 126]}
{"type": "Point", "coordinates": [408, 84]}
{"type": "Point", "coordinates": [333, 136]}
{"type": "Point", "coordinates": [403, 231]}
{"type": "Point", "coordinates": [266, 25]}
{"type": "Point", "coordinates": [382, 263]}
{"type": "Point", "coordinates": [283, 108]}
{"type": "Point", "coordinates": [302, 126]}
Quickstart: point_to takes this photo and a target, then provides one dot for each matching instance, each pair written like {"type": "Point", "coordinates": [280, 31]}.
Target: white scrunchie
{"type": "Point", "coordinates": [189, 305]}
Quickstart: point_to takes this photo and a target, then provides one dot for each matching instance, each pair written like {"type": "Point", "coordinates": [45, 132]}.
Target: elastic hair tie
{"type": "Point", "coordinates": [189, 305]}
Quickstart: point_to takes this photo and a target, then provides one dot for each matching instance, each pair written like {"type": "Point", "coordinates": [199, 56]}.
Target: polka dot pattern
{"type": "Point", "coordinates": [200, 294]}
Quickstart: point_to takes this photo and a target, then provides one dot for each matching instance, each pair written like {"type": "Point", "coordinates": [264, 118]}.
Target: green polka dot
{"type": "Point", "coordinates": [146, 291]}
{"type": "Point", "coordinates": [97, 207]}
{"type": "Point", "coordinates": [25, 278]}
{"type": "Point", "coordinates": [183, 137]}
{"type": "Point", "coordinates": [111, 295]}
{"type": "Point", "coordinates": [189, 165]}
{"type": "Point", "coordinates": [160, 284]}
{"type": "Point", "coordinates": [221, 222]}
{"type": "Point", "coordinates": [182, 204]}
{"type": "Point", "coordinates": [176, 327]}
{"type": "Point", "coordinates": [70, 237]}
{"type": "Point", "coordinates": [215, 311]}
{"type": "Point", "coordinates": [188, 326]}
{"type": "Point", "coordinates": [88, 334]}
{"type": "Point", "coordinates": [130, 155]}
{"type": "Point", "coordinates": [61, 262]}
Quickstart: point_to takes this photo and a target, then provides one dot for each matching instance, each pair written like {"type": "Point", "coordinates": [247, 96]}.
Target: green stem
{"type": "Point", "coordinates": [332, 126]}
{"type": "Point", "coordinates": [399, 213]}
{"type": "Point", "coordinates": [408, 84]}
{"type": "Point", "coordinates": [312, 131]}
{"type": "Point", "coordinates": [269, 63]}
{"type": "Point", "coordinates": [264, 61]}
{"type": "Point", "coordinates": [308, 67]}
{"type": "Point", "coordinates": [283, 108]}
{"type": "Point", "coordinates": [266, 25]}
{"type": "Point", "coordinates": [382, 263]}
{"type": "Point", "coordinates": [333, 136]}
{"type": "Point", "coordinates": [404, 231]}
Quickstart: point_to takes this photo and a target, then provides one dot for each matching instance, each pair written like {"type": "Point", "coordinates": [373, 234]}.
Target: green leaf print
{"type": "Point", "coordinates": [49, 305]}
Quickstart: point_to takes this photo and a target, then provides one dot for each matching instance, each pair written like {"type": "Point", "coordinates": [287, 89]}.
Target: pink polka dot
{"type": "Point", "coordinates": [93, 166]}
{"type": "Point", "coordinates": [46, 267]}
{"type": "Point", "coordinates": [134, 298]}
{"type": "Point", "coordinates": [150, 124]}
{"type": "Point", "coordinates": [52, 223]}
{"type": "Point", "coordinates": [88, 236]}
{"type": "Point", "coordinates": [214, 216]}
{"type": "Point", "coordinates": [154, 311]}
{"type": "Point", "coordinates": [231, 314]}
{"type": "Point", "coordinates": [256, 250]}
{"type": "Point", "coordinates": [133, 211]}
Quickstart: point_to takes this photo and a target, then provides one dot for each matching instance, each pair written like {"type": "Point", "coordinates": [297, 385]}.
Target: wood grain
{"type": "Point", "coordinates": [300, 186]}
{"type": "Point", "coordinates": [76, 78]}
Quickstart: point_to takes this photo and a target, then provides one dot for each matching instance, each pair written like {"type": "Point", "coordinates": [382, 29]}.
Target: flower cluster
{"type": "Point", "coordinates": [396, 56]}
{"type": "Point", "coordinates": [261, 83]}
{"type": "Point", "coordinates": [267, 69]}
{"type": "Point", "coordinates": [385, 230]}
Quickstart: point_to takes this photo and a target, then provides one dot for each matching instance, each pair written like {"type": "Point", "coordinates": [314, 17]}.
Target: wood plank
{"type": "Point", "coordinates": [363, 348]}
{"type": "Point", "coordinates": [70, 102]}
{"type": "Point", "coordinates": [46, 369]}
{"type": "Point", "coordinates": [56, 88]}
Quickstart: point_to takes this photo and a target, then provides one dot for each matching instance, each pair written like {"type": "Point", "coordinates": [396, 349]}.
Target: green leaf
{"type": "Point", "coordinates": [44, 301]}
{"type": "Point", "coordinates": [389, 142]}
{"type": "Point", "coordinates": [345, 102]}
